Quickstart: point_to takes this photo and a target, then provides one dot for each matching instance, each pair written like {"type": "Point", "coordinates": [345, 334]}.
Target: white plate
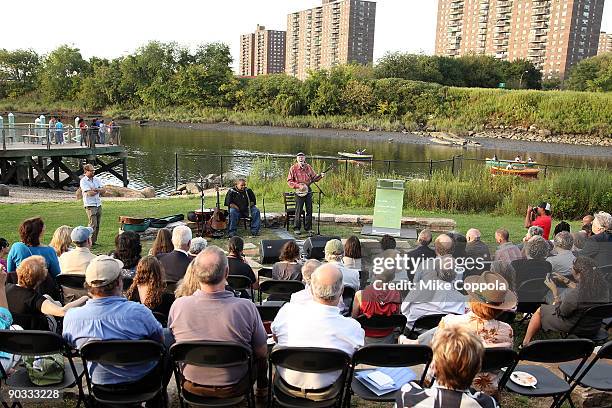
{"type": "Point", "coordinates": [523, 379]}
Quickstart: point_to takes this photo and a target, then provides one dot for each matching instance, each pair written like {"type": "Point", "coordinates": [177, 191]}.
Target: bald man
{"type": "Point", "coordinates": [475, 248]}
{"type": "Point", "coordinates": [444, 247]}
{"type": "Point", "coordinates": [422, 251]}
{"type": "Point", "coordinates": [316, 324]}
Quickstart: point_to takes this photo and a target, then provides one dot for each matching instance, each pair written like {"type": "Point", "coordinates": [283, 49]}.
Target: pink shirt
{"type": "Point", "coordinates": [298, 175]}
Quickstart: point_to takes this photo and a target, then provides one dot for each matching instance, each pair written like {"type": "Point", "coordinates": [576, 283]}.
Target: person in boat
{"type": "Point", "coordinates": [494, 157]}
{"type": "Point", "coordinates": [518, 158]}
{"type": "Point", "coordinates": [529, 160]}
{"type": "Point", "coordinates": [360, 151]}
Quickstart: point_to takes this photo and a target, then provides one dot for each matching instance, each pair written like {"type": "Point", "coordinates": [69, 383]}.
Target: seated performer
{"type": "Point", "coordinates": [241, 202]}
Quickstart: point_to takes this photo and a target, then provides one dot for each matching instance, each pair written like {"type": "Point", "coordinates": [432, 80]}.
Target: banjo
{"type": "Point", "coordinates": [305, 188]}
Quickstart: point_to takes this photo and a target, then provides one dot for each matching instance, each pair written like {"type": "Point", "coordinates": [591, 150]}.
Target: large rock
{"type": "Point", "coordinates": [193, 188]}
{"type": "Point", "coordinates": [4, 190]}
{"type": "Point", "coordinates": [148, 192]}
{"type": "Point", "coordinates": [118, 191]}
{"type": "Point", "coordinates": [544, 132]}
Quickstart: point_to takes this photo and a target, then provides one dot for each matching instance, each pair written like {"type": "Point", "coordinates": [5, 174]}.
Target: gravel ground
{"type": "Point", "coordinates": [20, 195]}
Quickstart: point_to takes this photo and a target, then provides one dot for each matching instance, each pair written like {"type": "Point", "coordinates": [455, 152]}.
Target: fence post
{"type": "Point", "coordinates": [345, 167]}
{"type": "Point", "coordinates": [453, 169]}
{"type": "Point", "coordinates": [545, 170]}
{"type": "Point", "coordinates": [389, 167]}
{"type": "Point", "coordinates": [430, 168]}
{"type": "Point", "coordinates": [221, 174]}
{"type": "Point", "coordinates": [176, 171]}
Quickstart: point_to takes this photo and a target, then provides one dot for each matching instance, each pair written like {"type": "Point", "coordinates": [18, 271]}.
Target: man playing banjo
{"type": "Point", "coordinates": [301, 175]}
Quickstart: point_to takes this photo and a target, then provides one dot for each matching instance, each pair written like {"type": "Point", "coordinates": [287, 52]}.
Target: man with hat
{"type": "Point", "coordinates": [110, 316]}
{"type": "Point", "coordinates": [301, 176]}
{"type": "Point", "coordinates": [334, 251]}
{"type": "Point", "coordinates": [75, 262]}
{"type": "Point", "coordinates": [91, 187]}
{"type": "Point", "coordinates": [542, 218]}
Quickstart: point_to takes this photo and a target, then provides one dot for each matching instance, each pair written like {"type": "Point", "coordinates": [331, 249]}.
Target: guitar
{"type": "Point", "coordinates": [305, 189]}
{"type": "Point", "coordinates": [218, 221]}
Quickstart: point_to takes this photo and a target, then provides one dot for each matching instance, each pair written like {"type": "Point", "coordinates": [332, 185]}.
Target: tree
{"type": "Point", "coordinates": [18, 72]}
{"type": "Point", "coordinates": [61, 75]}
{"type": "Point", "coordinates": [522, 74]}
{"type": "Point", "coordinates": [592, 74]}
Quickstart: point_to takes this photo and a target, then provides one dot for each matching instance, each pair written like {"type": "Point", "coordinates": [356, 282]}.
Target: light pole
{"type": "Point", "coordinates": [521, 80]}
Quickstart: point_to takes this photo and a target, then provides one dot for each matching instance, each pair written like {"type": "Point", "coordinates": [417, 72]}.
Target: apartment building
{"type": "Point", "coordinates": [262, 52]}
{"type": "Point", "coordinates": [605, 43]}
{"type": "Point", "coordinates": [337, 32]}
{"type": "Point", "coordinates": [553, 34]}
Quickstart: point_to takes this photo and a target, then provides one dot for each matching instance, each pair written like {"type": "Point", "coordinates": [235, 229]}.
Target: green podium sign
{"type": "Point", "coordinates": [388, 207]}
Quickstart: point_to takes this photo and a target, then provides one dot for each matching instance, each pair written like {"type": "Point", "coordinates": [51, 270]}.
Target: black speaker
{"type": "Point", "coordinates": [270, 250]}
{"type": "Point", "coordinates": [314, 247]}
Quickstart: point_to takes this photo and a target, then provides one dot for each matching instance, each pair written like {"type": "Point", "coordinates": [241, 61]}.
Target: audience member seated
{"type": "Point", "coordinates": [31, 232]}
{"type": "Point", "coordinates": [599, 245]}
{"type": "Point", "coordinates": [563, 260]}
{"type": "Point", "coordinates": [531, 232]}
{"type": "Point", "coordinates": [149, 286]}
{"type": "Point", "coordinates": [238, 264]}
{"type": "Point", "coordinates": [589, 290]}
{"type": "Point", "coordinates": [320, 325]}
{"type": "Point", "coordinates": [352, 253]}
{"type": "Point", "coordinates": [542, 218]}
{"type": "Point", "coordinates": [457, 359]}
{"type": "Point", "coordinates": [188, 285]}
{"type": "Point", "coordinates": [235, 320]}
{"type": "Point", "coordinates": [422, 251]}
{"type": "Point", "coordinates": [110, 316]}
{"type": "Point", "coordinates": [441, 296]}
{"type": "Point", "coordinates": [334, 251]}
{"type": "Point", "coordinates": [163, 243]}
{"type": "Point", "coordinates": [579, 238]}
{"type": "Point", "coordinates": [444, 246]}
{"type": "Point", "coordinates": [535, 266]}
{"type": "Point", "coordinates": [75, 262]}
{"type": "Point", "coordinates": [562, 226]}
{"type": "Point", "coordinates": [198, 244]}
{"type": "Point", "coordinates": [506, 271]}
{"type": "Point", "coordinates": [587, 220]}
{"type": "Point", "coordinates": [588, 230]}
{"type": "Point", "coordinates": [387, 242]}
{"type": "Point", "coordinates": [289, 267]}
{"type": "Point", "coordinates": [506, 251]}
{"type": "Point", "coordinates": [460, 243]}
{"type": "Point", "coordinates": [175, 263]}
{"type": "Point", "coordinates": [305, 295]}
{"type": "Point", "coordinates": [7, 360]}
{"type": "Point", "coordinates": [128, 250]}
{"type": "Point", "coordinates": [378, 302]}
{"type": "Point", "coordinates": [4, 250]}
{"type": "Point", "coordinates": [485, 307]}
{"type": "Point", "coordinates": [61, 240]}
{"type": "Point", "coordinates": [475, 248]}
{"type": "Point", "coordinates": [30, 309]}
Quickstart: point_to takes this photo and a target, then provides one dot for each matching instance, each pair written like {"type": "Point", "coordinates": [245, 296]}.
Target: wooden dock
{"type": "Point", "coordinates": [30, 164]}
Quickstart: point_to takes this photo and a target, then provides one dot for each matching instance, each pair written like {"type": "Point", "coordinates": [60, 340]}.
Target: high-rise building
{"type": "Point", "coordinates": [262, 52]}
{"type": "Point", "coordinates": [337, 32]}
{"type": "Point", "coordinates": [605, 43]}
{"type": "Point", "coordinates": [553, 34]}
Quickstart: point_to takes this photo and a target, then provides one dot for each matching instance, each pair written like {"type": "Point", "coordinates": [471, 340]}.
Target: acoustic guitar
{"type": "Point", "coordinates": [218, 222]}
{"type": "Point", "coordinates": [305, 188]}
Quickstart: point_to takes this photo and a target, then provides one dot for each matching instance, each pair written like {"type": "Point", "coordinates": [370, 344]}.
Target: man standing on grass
{"type": "Point", "coordinates": [91, 187]}
{"type": "Point", "coordinates": [301, 175]}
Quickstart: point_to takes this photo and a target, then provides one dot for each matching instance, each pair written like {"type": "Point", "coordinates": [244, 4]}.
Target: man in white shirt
{"type": "Point", "coordinates": [91, 187]}
{"type": "Point", "coordinates": [305, 295]}
{"type": "Point", "coordinates": [334, 252]}
{"type": "Point", "coordinates": [316, 324]}
{"type": "Point", "coordinates": [75, 262]}
{"type": "Point", "coordinates": [563, 260]}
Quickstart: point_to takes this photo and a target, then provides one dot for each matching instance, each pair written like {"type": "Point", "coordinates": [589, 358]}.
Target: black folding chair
{"type": "Point", "coordinates": [213, 355]}
{"type": "Point", "coordinates": [161, 318]}
{"type": "Point", "coordinates": [348, 296]}
{"type": "Point", "coordinates": [594, 313]}
{"type": "Point", "coordinates": [73, 285]}
{"type": "Point", "coordinates": [38, 343]}
{"type": "Point", "coordinates": [307, 360]}
{"type": "Point", "coordinates": [530, 294]}
{"type": "Point", "coordinates": [497, 358]}
{"type": "Point", "coordinates": [171, 286]}
{"type": "Point", "coordinates": [279, 290]}
{"type": "Point", "coordinates": [424, 323]}
{"type": "Point", "coordinates": [291, 209]}
{"type": "Point", "coordinates": [595, 374]}
{"type": "Point", "coordinates": [550, 351]}
{"type": "Point", "coordinates": [123, 353]}
{"type": "Point", "coordinates": [386, 355]}
{"type": "Point", "coordinates": [383, 322]}
{"type": "Point", "coordinates": [240, 283]}
{"type": "Point", "coordinates": [268, 312]}
{"type": "Point", "coordinates": [264, 273]}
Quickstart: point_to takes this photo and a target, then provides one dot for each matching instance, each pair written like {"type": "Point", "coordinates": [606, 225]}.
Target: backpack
{"type": "Point", "coordinates": [45, 370]}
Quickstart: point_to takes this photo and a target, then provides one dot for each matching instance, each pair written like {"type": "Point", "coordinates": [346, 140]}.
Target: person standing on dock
{"type": "Point", "coordinates": [91, 187]}
{"type": "Point", "coordinates": [59, 132]}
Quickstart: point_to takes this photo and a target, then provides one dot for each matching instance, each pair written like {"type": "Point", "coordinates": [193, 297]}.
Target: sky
{"type": "Point", "coordinates": [111, 28]}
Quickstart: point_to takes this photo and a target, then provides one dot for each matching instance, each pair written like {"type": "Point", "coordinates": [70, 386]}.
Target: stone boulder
{"type": "Point", "coordinates": [117, 191]}
{"type": "Point", "coordinates": [148, 192]}
{"type": "Point", "coordinates": [4, 190]}
{"type": "Point", "coordinates": [193, 188]}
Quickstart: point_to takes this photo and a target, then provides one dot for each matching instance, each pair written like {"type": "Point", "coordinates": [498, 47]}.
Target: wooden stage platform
{"type": "Point", "coordinates": [29, 164]}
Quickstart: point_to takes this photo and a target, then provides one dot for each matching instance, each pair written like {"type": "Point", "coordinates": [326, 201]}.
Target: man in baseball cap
{"type": "Point", "coordinates": [75, 262]}
{"type": "Point", "coordinates": [110, 316]}
{"type": "Point", "coordinates": [542, 218]}
{"type": "Point", "coordinates": [334, 251]}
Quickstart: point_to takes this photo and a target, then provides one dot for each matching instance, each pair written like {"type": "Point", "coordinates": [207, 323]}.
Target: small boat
{"type": "Point", "coordinates": [356, 156]}
{"type": "Point", "coordinates": [505, 163]}
{"type": "Point", "coordinates": [525, 172]}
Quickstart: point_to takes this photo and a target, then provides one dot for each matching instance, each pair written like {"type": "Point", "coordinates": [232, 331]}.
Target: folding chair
{"type": "Point", "coordinates": [268, 312]}
{"type": "Point", "coordinates": [73, 285]}
{"type": "Point", "coordinates": [386, 355]}
{"type": "Point", "coordinates": [307, 360]}
{"type": "Point", "coordinates": [596, 374]}
{"type": "Point", "coordinates": [550, 351]}
{"type": "Point", "coordinates": [497, 358]}
{"type": "Point", "coordinates": [212, 355]}
{"type": "Point", "coordinates": [527, 269]}
{"type": "Point", "coordinates": [123, 353]}
{"type": "Point", "coordinates": [161, 318]}
{"type": "Point", "coordinates": [279, 290]}
{"type": "Point", "coordinates": [530, 294]}
{"type": "Point", "coordinates": [38, 343]}
{"type": "Point", "coordinates": [291, 209]}
{"type": "Point", "coordinates": [265, 273]}
{"type": "Point", "coordinates": [348, 296]}
{"type": "Point", "coordinates": [383, 322]}
{"type": "Point", "coordinates": [596, 313]}
{"type": "Point", "coordinates": [240, 283]}
{"type": "Point", "coordinates": [424, 323]}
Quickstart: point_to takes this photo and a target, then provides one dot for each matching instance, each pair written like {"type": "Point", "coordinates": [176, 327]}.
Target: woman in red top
{"type": "Point", "coordinates": [378, 302]}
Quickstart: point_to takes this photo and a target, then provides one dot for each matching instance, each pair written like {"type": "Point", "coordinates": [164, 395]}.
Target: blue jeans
{"type": "Point", "coordinates": [234, 217]}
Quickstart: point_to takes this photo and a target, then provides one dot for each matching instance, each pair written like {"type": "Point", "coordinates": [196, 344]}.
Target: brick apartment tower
{"type": "Point", "coordinates": [605, 43]}
{"type": "Point", "coordinates": [553, 34]}
{"type": "Point", "coordinates": [262, 52]}
{"type": "Point", "coordinates": [337, 32]}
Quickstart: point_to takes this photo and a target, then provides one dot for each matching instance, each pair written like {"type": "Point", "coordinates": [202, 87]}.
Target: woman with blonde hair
{"type": "Point", "coordinates": [61, 240]}
{"type": "Point", "coordinates": [149, 286]}
{"type": "Point", "coordinates": [188, 285]}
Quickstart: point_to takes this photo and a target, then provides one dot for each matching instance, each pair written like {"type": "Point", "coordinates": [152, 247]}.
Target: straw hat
{"type": "Point", "coordinates": [495, 298]}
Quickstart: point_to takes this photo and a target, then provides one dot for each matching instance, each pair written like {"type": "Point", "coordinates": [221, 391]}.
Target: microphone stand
{"type": "Point", "coordinates": [320, 193]}
{"type": "Point", "coordinates": [203, 222]}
